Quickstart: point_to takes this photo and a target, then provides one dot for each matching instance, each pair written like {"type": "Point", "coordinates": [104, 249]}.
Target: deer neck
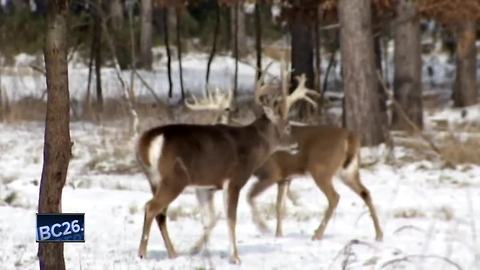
{"type": "Point", "coordinates": [266, 132]}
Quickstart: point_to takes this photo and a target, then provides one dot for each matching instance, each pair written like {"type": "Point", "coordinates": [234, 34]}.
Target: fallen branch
{"type": "Point", "coordinates": [150, 89]}
{"type": "Point", "coordinates": [408, 258]}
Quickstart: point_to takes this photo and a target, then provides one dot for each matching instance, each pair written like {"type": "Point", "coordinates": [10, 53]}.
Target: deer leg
{"type": "Point", "coordinates": [209, 220]}
{"type": "Point", "coordinates": [162, 225]}
{"type": "Point", "coordinates": [291, 195]}
{"type": "Point", "coordinates": [324, 182]}
{"type": "Point", "coordinates": [231, 193]}
{"type": "Point", "coordinates": [280, 207]}
{"type": "Point", "coordinates": [158, 204]}
{"type": "Point", "coordinates": [260, 186]}
{"type": "Point", "coordinates": [354, 183]}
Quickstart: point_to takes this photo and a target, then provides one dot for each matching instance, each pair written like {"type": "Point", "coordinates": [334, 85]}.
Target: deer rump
{"type": "Point", "coordinates": [201, 155]}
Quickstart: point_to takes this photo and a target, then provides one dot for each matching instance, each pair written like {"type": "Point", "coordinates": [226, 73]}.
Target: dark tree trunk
{"type": "Point", "coordinates": [362, 110]}
{"type": "Point", "coordinates": [258, 38]}
{"type": "Point", "coordinates": [214, 45]}
{"type": "Point", "coordinates": [98, 54]}
{"type": "Point", "coordinates": [382, 94]}
{"type": "Point", "coordinates": [302, 52]}
{"type": "Point", "coordinates": [407, 81]}
{"type": "Point", "coordinates": [179, 50]}
{"type": "Point", "coordinates": [116, 14]}
{"type": "Point", "coordinates": [41, 7]}
{"type": "Point", "coordinates": [238, 29]}
{"type": "Point", "coordinates": [166, 37]}
{"type": "Point", "coordinates": [316, 33]}
{"type": "Point", "coordinates": [235, 48]}
{"type": "Point", "coordinates": [57, 147]}
{"type": "Point", "coordinates": [465, 88]}
{"type": "Point", "coordinates": [146, 34]}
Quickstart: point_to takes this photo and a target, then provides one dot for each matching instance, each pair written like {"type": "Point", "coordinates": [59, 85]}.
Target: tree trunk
{"type": "Point", "coordinates": [146, 34]}
{"type": "Point", "coordinates": [407, 82]}
{"type": "Point", "coordinates": [116, 14]}
{"type": "Point", "coordinates": [41, 7]}
{"type": "Point", "coordinates": [235, 47]}
{"type": "Point", "coordinates": [302, 52]}
{"type": "Point", "coordinates": [362, 110]}
{"type": "Point", "coordinates": [179, 51]}
{"type": "Point", "coordinates": [238, 16]}
{"type": "Point", "coordinates": [214, 45]}
{"type": "Point", "coordinates": [258, 38]}
{"type": "Point", "coordinates": [57, 147]}
{"type": "Point", "coordinates": [98, 54]}
{"type": "Point", "coordinates": [166, 35]}
{"type": "Point", "coordinates": [465, 88]}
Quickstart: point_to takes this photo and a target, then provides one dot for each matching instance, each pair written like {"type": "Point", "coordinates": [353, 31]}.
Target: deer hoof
{"type": "Point", "coordinates": [379, 237]}
{"type": "Point", "coordinates": [141, 254]}
{"type": "Point", "coordinates": [172, 255]}
{"type": "Point", "coordinates": [235, 260]}
{"type": "Point", "coordinates": [317, 237]}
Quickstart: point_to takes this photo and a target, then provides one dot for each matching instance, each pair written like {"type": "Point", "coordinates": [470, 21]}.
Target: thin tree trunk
{"type": "Point", "coordinates": [362, 110]}
{"type": "Point", "coordinates": [382, 95]}
{"type": "Point", "coordinates": [133, 57]}
{"type": "Point", "coordinates": [214, 45]}
{"type": "Point", "coordinates": [116, 14]}
{"type": "Point", "coordinates": [465, 88]}
{"type": "Point", "coordinates": [40, 7]}
{"type": "Point", "coordinates": [407, 82]}
{"type": "Point", "coordinates": [146, 34]}
{"type": "Point", "coordinates": [98, 54]}
{"type": "Point", "coordinates": [318, 68]}
{"type": "Point", "coordinates": [88, 96]}
{"type": "Point", "coordinates": [57, 147]}
{"type": "Point", "coordinates": [241, 32]}
{"type": "Point", "coordinates": [258, 38]}
{"type": "Point", "coordinates": [235, 49]}
{"type": "Point", "coordinates": [179, 51]}
{"type": "Point", "coordinates": [167, 47]}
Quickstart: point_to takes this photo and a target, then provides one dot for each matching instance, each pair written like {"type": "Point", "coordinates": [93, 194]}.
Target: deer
{"type": "Point", "coordinates": [212, 156]}
{"type": "Point", "coordinates": [322, 151]}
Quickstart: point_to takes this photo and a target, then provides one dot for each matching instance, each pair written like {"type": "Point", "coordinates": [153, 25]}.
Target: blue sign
{"type": "Point", "coordinates": [61, 227]}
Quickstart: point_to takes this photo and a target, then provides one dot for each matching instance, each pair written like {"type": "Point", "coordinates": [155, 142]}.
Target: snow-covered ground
{"type": "Point", "coordinates": [429, 213]}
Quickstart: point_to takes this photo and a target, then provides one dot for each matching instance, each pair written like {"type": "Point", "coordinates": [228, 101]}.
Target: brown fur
{"type": "Point", "coordinates": [205, 156]}
{"type": "Point", "coordinates": [323, 151]}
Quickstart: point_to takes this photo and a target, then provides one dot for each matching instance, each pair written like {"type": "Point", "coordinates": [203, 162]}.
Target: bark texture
{"type": "Point", "coordinates": [362, 111]}
{"type": "Point", "coordinates": [302, 56]}
{"type": "Point", "coordinates": [465, 87]}
{"type": "Point", "coordinates": [116, 14]}
{"type": "Point", "coordinates": [407, 82]}
{"type": "Point", "coordinates": [57, 148]}
{"type": "Point", "coordinates": [146, 34]}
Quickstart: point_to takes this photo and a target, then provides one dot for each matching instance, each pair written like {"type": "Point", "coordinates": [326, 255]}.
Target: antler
{"type": "Point", "coordinates": [212, 101]}
{"type": "Point", "coordinates": [262, 88]}
{"type": "Point", "coordinates": [301, 92]}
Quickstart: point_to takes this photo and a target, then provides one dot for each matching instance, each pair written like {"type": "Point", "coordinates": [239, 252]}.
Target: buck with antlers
{"type": "Point", "coordinates": [216, 156]}
{"type": "Point", "coordinates": [323, 152]}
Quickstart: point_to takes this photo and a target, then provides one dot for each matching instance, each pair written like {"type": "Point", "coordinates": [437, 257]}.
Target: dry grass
{"type": "Point", "coordinates": [408, 213]}
{"type": "Point", "coordinates": [461, 151]}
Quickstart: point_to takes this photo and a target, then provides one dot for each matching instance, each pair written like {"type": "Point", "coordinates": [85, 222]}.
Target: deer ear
{"type": "Point", "coordinates": [270, 114]}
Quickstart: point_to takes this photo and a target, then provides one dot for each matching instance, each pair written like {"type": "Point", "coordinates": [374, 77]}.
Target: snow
{"type": "Point", "coordinates": [424, 210]}
{"type": "Point", "coordinates": [429, 213]}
